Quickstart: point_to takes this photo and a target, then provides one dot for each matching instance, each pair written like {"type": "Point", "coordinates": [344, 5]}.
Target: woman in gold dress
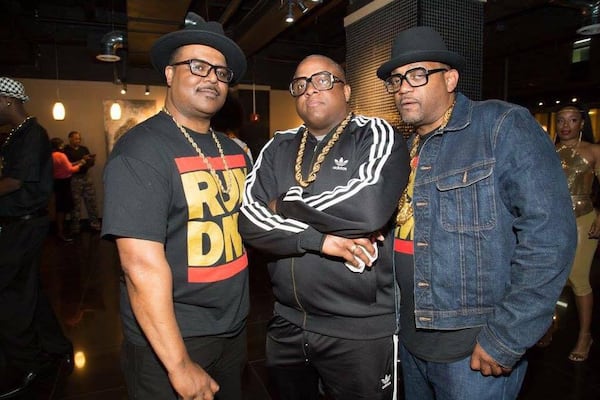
{"type": "Point", "coordinates": [580, 159]}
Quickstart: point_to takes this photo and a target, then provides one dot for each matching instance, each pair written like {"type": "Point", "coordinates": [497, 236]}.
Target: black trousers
{"type": "Point", "coordinates": [29, 329]}
{"type": "Point", "coordinates": [300, 362]}
{"type": "Point", "coordinates": [222, 358]}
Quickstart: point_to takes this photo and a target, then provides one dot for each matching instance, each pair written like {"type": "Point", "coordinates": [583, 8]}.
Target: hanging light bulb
{"type": "Point", "coordinates": [124, 88]}
{"type": "Point", "coordinates": [58, 110]}
{"type": "Point", "coordinates": [115, 111]}
{"type": "Point", "coordinates": [254, 117]}
{"type": "Point", "coordinates": [147, 91]}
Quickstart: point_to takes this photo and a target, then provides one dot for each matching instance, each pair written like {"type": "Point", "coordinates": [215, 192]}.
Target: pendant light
{"type": "Point", "coordinates": [115, 111]}
{"type": "Point", "coordinates": [58, 110]}
{"type": "Point", "coordinates": [254, 117]}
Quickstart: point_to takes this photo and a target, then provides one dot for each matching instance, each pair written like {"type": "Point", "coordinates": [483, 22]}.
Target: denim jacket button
{"type": "Point", "coordinates": [424, 319]}
{"type": "Point", "coordinates": [423, 284]}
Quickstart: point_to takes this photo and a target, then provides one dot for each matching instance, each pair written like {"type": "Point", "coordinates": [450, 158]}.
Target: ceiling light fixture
{"type": "Point", "coordinates": [290, 15]}
{"type": "Point", "coordinates": [302, 6]}
{"type": "Point", "coordinates": [592, 19]}
{"type": "Point", "coordinates": [147, 91]}
{"type": "Point", "coordinates": [124, 88]}
{"type": "Point", "coordinates": [58, 110]}
{"type": "Point", "coordinates": [115, 111]}
{"type": "Point", "coordinates": [111, 42]}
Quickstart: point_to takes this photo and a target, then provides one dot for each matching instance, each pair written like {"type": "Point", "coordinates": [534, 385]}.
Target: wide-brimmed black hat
{"type": "Point", "coordinates": [201, 32]}
{"type": "Point", "coordinates": [420, 43]}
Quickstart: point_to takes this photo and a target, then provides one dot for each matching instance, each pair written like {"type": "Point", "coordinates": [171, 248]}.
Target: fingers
{"type": "Point", "coordinates": [368, 257]}
{"type": "Point", "coordinates": [355, 252]}
{"type": "Point", "coordinates": [488, 366]}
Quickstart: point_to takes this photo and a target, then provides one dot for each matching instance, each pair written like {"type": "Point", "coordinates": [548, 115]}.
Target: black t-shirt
{"type": "Point", "coordinates": [27, 157]}
{"type": "Point", "coordinates": [428, 344]}
{"type": "Point", "coordinates": [77, 154]}
{"type": "Point", "coordinates": [158, 188]}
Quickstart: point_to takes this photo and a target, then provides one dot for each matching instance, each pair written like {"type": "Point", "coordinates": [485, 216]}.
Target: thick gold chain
{"type": "Point", "coordinates": [405, 208]}
{"type": "Point", "coordinates": [224, 186]}
{"type": "Point", "coordinates": [14, 130]}
{"type": "Point", "coordinates": [320, 158]}
{"type": "Point", "coordinates": [9, 137]}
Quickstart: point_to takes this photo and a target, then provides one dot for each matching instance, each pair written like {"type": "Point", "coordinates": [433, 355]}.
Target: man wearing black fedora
{"type": "Point", "coordinates": [173, 188]}
{"type": "Point", "coordinates": [485, 233]}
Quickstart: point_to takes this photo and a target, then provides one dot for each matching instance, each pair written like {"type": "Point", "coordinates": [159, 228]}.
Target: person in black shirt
{"type": "Point", "coordinates": [30, 336]}
{"type": "Point", "coordinates": [82, 186]}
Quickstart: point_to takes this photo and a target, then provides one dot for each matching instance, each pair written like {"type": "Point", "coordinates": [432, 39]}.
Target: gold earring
{"type": "Point", "coordinates": [8, 103]}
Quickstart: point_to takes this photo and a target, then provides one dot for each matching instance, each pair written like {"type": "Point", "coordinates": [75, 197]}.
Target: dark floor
{"type": "Point", "coordinates": [81, 279]}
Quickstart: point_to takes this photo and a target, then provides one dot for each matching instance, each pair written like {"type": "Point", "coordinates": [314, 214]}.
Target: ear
{"type": "Point", "coordinates": [347, 92]}
{"type": "Point", "coordinates": [451, 80]}
{"type": "Point", "coordinates": [169, 71]}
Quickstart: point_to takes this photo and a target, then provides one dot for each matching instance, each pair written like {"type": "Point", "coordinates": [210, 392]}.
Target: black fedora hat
{"type": "Point", "coordinates": [199, 32]}
{"type": "Point", "coordinates": [420, 43]}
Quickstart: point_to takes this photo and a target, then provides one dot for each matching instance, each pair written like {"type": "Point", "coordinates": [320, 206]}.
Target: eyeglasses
{"type": "Point", "coordinates": [321, 81]}
{"type": "Point", "coordinates": [415, 77]}
{"type": "Point", "coordinates": [203, 68]}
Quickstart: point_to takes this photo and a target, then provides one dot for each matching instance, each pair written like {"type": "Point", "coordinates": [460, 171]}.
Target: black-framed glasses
{"type": "Point", "coordinates": [415, 77]}
{"type": "Point", "coordinates": [321, 81]}
{"type": "Point", "coordinates": [203, 68]}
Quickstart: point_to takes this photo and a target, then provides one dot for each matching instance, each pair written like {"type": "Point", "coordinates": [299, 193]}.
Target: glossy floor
{"type": "Point", "coordinates": [81, 279]}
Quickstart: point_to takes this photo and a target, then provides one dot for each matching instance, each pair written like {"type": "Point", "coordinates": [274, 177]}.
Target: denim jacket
{"type": "Point", "coordinates": [494, 231]}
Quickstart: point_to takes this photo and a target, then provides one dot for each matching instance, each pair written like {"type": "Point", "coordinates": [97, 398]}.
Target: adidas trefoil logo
{"type": "Point", "coordinates": [386, 381]}
{"type": "Point", "coordinates": [340, 164]}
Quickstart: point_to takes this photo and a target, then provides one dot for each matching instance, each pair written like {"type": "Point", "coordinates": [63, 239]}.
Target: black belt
{"type": "Point", "coordinates": [11, 220]}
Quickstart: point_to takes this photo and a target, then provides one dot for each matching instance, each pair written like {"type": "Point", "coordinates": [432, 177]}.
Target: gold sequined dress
{"type": "Point", "coordinates": [580, 177]}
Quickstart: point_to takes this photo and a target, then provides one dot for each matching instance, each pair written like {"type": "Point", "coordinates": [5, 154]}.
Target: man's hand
{"type": "Point", "coordinates": [348, 249]}
{"type": "Point", "coordinates": [481, 361]}
{"type": "Point", "coordinates": [192, 382]}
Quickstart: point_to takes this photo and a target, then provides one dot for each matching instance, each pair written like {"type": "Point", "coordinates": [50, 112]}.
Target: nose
{"type": "Point", "coordinates": [212, 75]}
{"type": "Point", "coordinates": [405, 86]}
{"type": "Point", "coordinates": [310, 87]}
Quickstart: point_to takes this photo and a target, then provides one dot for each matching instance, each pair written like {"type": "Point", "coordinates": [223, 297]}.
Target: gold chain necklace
{"type": "Point", "coordinates": [14, 130]}
{"type": "Point", "coordinates": [405, 208]}
{"type": "Point", "coordinates": [320, 158]}
{"type": "Point", "coordinates": [224, 186]}
{"type": "Point", "coordinates": [10, 135]}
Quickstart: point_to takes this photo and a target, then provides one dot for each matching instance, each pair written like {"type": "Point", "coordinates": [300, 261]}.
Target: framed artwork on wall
{"type": "Point", "coordinates": [132, 113]}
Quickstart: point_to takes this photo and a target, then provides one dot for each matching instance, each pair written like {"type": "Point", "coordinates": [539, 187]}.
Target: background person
{"type": "Point", "coordinates": [484, 228]}
{"type": "Point", "coordinates": [63, 170]}
{"type": "Point", "coordinates": [30, 337]}
{"type": "Point", "coordinates": [580, 159]}
{"type": "Point", "coordinates": [318, 193]}
{"type": "Point", "coordinates": [173, 189]}
{"type": "Point", "coordinates": [81, 183]}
